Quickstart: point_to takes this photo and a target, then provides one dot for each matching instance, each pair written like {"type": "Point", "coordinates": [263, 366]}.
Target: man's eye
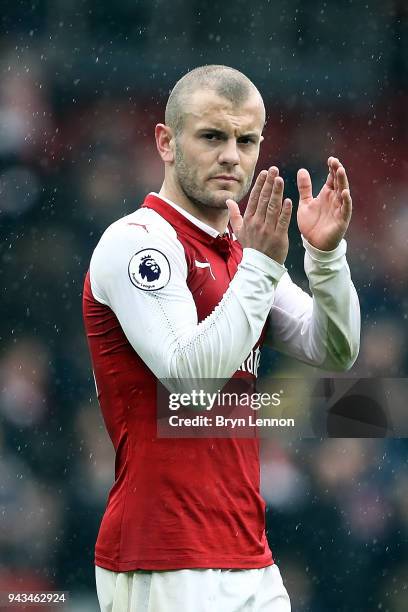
{"type": "Point", "coordinates": [210, 136]}
{"type": "Point", "coordinates": [246, 141]}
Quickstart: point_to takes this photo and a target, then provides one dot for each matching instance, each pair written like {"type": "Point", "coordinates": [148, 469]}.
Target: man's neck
{"type": "Point", "coordinates": [214, 217]}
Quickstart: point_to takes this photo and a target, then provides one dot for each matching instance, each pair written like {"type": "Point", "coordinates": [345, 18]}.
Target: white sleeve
{"type": "Point", "coordinates": [323, 330]}
{"type": "Point", "coordinates": [162, 324]}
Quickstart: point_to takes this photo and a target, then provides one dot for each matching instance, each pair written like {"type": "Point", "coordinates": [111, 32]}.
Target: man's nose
{"type": "Point", "coordinates": [229, 153]}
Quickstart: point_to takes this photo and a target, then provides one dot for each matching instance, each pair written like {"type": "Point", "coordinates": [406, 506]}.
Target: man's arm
{"type": "Point", "coordinates": [161, 322]}
{"type": "Point", "coordinates": [162, 325]}
{"type": "Point", "coordinates": [323, 330]}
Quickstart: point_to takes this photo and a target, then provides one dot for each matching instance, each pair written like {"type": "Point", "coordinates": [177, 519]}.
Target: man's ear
{"type": "Point", "coordinates": [164, 142]}
{"type": "Point", "coordinates": [261, 139]}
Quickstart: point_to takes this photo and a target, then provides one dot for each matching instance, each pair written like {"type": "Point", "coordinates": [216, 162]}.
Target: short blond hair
{"type": "Point", "coordinates": [226, 82]}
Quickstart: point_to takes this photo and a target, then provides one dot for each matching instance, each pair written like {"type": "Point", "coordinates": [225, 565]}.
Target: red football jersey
{"type": "Point", "coordinates": [175, 503]}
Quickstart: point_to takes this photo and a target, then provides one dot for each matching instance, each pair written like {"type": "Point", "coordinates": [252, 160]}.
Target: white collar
{"type": "Point", "coordinates": [203, 226]}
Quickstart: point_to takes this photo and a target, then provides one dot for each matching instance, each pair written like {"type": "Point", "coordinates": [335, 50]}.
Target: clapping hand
{"type": "Point", "coordinates": [265, 224]}
{"type": "Point", "coordinates": [323, 220]}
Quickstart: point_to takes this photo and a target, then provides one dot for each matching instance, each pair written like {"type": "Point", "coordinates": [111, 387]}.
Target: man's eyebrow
{"type": "Point", "coordinates": [250, 135]}
{"type": "Point", "coordinates": [213, 130]}
{"type": "Point", "coordinates": [222, 133]}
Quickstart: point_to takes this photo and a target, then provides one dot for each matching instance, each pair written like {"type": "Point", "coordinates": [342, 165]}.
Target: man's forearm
{"type": "Point", "coordinates": [336, 309]}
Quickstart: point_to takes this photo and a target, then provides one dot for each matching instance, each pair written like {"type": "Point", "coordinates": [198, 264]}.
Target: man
{"type": "Point", "coordinates": [173, 293]}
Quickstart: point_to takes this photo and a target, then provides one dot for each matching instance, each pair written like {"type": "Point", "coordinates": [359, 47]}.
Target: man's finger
{"type": "Point", "coordinates": [304, 183]}
{"type": "Point", "coordinates": [330, 180]}
{"type": "Point", "coordinates": [266, 193]}
{"type": "Point", "coordinates": [285, 215]}
{"type": "Point", "coordinates": [275, 202]}
{"type": "Point", "coordinates": [334, 164]}
{"type": "Point", "coordinates": [342, 181]}
{"type": "Point", "coordinates": [255, 193]}
{"type": "Point", "coordinates": [235, 216]}
{"type": "Point", "coordinates": [346, 205]}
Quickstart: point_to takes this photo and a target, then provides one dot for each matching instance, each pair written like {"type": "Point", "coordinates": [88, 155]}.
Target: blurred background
{"type": "Point", "coordinates": [82, 85]}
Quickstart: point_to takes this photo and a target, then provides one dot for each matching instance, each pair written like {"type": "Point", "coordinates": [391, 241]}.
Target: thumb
{"type": "Point", "coordinates": [235, 216]}
{"type": "Point", "coordinates": [304, 183]}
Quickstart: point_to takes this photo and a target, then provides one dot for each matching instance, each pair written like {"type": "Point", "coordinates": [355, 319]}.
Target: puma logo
{"type": "Point", "coordinates": [204, 264]}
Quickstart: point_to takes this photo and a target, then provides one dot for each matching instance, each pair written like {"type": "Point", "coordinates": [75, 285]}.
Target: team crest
{"type": "Point", "coordinates": [149, 270]}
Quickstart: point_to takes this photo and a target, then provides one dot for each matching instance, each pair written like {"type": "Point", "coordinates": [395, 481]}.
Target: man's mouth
{"type": "Point", "coordinates": [226, 178]}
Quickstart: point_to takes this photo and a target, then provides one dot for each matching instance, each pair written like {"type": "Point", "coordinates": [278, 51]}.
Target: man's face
{"type": "Point", "coordinates": [217, 150]}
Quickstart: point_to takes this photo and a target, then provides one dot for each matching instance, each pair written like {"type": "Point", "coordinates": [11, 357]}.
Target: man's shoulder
{"type": "Point", "coordinates": [143, 229]}
{"type": "Point", "coordinates": [143, 221]}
